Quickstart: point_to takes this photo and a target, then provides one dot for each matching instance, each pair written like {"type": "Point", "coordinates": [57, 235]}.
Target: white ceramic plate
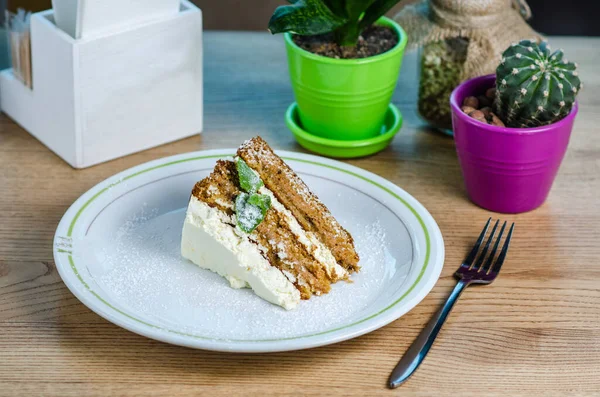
{"type": "Point", "coordinates": [117, 249]}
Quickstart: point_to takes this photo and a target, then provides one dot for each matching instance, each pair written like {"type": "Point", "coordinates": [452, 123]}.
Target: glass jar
{"type": "Point", "coordinates": [441, 70]}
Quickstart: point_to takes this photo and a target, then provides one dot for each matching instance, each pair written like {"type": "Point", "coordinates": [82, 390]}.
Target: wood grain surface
{"type": "Point", "coordinates": [535, 331]}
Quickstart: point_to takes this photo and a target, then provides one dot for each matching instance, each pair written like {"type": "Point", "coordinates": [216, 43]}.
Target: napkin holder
{"type": "Point", "coordinates": [97, 99]}
{"type": "Point", "coordinates": [89, 18]}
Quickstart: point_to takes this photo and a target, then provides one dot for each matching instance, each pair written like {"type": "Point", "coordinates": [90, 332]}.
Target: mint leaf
{"type": "Point", "coordinates": [250, 210]}
{"type": "Point", "coordinates": [249, 181]}
{"type": "Point", "coordinates": [262, 201]}
{"type": "Point", "coordinates": [250, 207]}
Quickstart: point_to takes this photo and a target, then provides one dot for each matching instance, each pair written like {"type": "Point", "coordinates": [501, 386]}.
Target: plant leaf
{"type": "Point", "coordinates": [305, 17]}
{"type": "Point", "coordinates": [375, 11]}
{"type": "Point", "coordinates": [355, 8]}
{"type": "Point", "coordinates": [347, 35]}
{"type": "Point", "coordinates": [250, 210]}
{"type": "Point", "coordinates": [338, 7]}
{"type": "Point", "coordinates": [249, 181]}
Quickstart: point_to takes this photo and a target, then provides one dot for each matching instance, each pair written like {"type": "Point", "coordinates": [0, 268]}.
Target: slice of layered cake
{"type": "Point", "coordinates": [256, 223]}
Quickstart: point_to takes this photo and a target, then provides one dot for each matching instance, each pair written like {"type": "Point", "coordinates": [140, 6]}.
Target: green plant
{"type": "Point", "coordinates": [346, 19]}
{"type": "Point", "coordinates": [534, 86]}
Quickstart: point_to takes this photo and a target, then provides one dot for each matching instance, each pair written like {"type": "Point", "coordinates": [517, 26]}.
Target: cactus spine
{"type": "Point", "coordinates": [534, 86]}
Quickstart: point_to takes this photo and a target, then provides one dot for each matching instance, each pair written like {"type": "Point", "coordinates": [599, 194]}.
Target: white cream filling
{"type": "Point", "coordinates": [211, 243]}
{"type": "Point", "coordinates": [310, 241]}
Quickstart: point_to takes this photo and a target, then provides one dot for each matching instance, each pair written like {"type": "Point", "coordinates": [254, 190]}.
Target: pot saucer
{"type": "Point", "coordinates": [345, 149]}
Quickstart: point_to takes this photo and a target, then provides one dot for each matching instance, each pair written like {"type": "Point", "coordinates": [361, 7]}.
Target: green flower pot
{"type": "Point", "coordinates": [344, 99]}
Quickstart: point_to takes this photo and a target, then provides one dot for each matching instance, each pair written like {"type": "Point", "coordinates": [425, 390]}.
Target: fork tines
{"type": "Point", "coordinates": [481, 265]}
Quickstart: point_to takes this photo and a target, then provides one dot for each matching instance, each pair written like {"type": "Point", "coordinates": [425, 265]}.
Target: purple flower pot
{"type": "Point", "coordinates": [508, 170]}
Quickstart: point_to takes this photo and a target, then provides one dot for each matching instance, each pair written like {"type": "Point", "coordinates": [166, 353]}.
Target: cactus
{"type": "Point", "coordinates": [534, 86]}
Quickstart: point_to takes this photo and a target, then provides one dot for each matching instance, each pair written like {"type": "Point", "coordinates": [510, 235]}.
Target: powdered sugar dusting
{"type": "Point", "coordinates": [151, 280]}
{"type": "Point", "coordinates": [249, 216]}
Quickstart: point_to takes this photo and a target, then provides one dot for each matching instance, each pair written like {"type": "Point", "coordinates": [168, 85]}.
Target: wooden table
{"type": "Point", "coordinates": [536, 331]}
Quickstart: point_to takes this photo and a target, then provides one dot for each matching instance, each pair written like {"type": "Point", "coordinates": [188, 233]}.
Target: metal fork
{"type": "Point", "coordinates": [475, 269]}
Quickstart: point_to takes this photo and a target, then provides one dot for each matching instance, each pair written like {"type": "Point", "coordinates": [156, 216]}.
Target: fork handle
{"type": "Point", "coordinates": [415, 354]}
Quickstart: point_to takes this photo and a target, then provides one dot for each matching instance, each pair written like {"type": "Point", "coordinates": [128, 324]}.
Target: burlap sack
{"type": "Point", "coordinates": [490, 25]}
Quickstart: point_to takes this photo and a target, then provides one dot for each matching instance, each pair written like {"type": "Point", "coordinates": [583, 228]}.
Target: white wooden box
{"type": "Point", "coordinates": [89, 18]}
{"type": "Point", "coordinates": [97, 99]}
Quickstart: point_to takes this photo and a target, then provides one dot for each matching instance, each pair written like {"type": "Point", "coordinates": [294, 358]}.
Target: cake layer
{"type": "Point", "coordinates": [309, 240]}
{"type": "Point", "coordinates": [293, 193]}
{"type": "Point", "coordinates": [281, 246]}
{"type": "Point", "coordinates": [210, 240]}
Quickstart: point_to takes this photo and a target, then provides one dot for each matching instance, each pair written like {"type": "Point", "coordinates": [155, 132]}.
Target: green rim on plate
{"type": "Point", "coordinates": [344, 149]}
{"type": "Point", "coordinates": [74, 268]}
